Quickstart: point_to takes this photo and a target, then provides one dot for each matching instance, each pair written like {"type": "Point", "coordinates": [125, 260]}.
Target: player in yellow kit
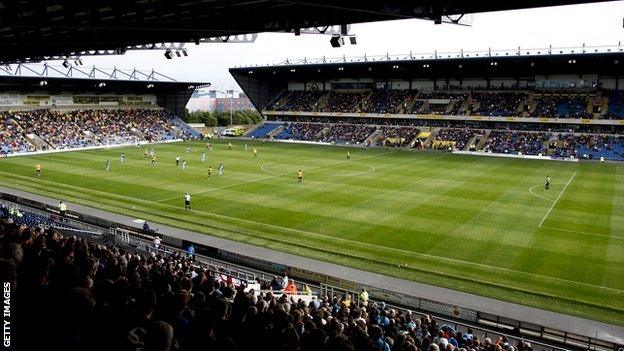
{"type": "Point", "coordinates": [299, 176]}
{"type": "Point", "coordinates": [255, 153]}
{"type": "Point", "coordinates": [38, 168]}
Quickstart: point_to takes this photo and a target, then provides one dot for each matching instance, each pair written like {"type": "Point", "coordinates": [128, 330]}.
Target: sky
{"type": "Point", "coordinates": [563, 26]}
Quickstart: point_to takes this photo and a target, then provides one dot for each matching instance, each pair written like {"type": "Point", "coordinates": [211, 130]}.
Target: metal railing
{"type": "Point", "coordinates": [445, 55]}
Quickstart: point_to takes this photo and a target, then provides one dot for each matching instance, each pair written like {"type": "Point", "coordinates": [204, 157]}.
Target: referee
{"type": "Point", "coordinates": [187, 201]}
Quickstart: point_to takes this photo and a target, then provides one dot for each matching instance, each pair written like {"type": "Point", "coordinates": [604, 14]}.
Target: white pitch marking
{"type": "Point", "coordinates": [586, 233]}
{"type": "Point", "coordinates": [275, 175]}
{"type": "Point", "coordinates": [541, 197]}
{"type": "Point", "coordinates": [557, 199]}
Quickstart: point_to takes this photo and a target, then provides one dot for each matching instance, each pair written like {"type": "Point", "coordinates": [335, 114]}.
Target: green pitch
{"type": "Point", "coordinates": [478, 224]}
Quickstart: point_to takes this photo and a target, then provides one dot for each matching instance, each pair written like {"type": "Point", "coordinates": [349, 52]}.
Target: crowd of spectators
{"type": "Point", "coordinates": [499, 103]}
{"type": "Point", "coordinates": [12, 139]}
{"type": "Point", "coordinates": [507, 142]}
{"type": "Point", "coordinates": [346, 134]}
{"type": "Point", "coordinates": [486, 102]}
{"type": "Point", "coordinates": [435, 108]}
{"type": "Point", "coordinates": [72, 294]}
{"type": "Point", "coordinates": [590, 146]}
{"type": "Point", "coordinates": [615, 109]}
{"type": "Point", "coordinates": [459, 136]}
{"type": "Point", "coordinates": [89, 127]}
{"type": "Point", "coordinates": [560, 106]}
{"type": "Point", "coordinates": [416, 107]}
{"type": "Point", "coordinates": [301, 131]}
{"type": "Point", "coordinates": [345, 101]}
{"type": "Point", "coordinates": [301, 100]}
{"type": "Point", "coordinates": [386, 101]}
{"type": "Point", "coordinates": [397, 136]}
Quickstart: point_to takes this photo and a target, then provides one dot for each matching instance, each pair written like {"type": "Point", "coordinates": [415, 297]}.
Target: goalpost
{"type": "Point", "coordinates": [121, 141]}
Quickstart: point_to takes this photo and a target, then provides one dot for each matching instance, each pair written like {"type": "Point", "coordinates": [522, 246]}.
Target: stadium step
{"type": "Point", "coordinates": [410, 103]}
{"type": "Point", "coordinates": [37, 142]}
{"type": "Point", "coordinates": [483, 140]}
{"type": "Point", "coordinates": [473, 141]}
{"type": "Point", "coordinates": [279, 100]}
{"type": "Point", "coordinates": [373, 138]}
{"type": "Point", "coordinates": [427, 143]}
{"type": "Point", "coordinates": [321, 102]}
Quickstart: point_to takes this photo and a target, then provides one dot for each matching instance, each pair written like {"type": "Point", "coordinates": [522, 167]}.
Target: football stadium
{"type": "Point", "coordinates": [442, 201]}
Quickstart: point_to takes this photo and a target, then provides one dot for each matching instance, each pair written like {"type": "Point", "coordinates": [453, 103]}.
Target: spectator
{"type": "Point", "coordinates": [190, 252]}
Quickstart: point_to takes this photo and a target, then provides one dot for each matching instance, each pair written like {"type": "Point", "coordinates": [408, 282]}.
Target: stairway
{"type": "Point", "coordinates": [33, 139]}
{"type": "Point", "coordinates": [484, 139]}
{"type": "Point", "coordinates": [321, 103]}
{"type": "Point", "coordinates": [474, 140]}
{"type": "Point", "coordinates": [427, 143]}
{"type": "Point", "coordinates": [373, 138]}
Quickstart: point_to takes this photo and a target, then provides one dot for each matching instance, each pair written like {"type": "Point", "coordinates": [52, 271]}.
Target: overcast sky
{"type": "Point", "coordinates": [592, 24]}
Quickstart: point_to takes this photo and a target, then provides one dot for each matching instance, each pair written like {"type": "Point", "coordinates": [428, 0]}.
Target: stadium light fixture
{"type": "Point", "coordinates": [168, 54]}
{"type": "Point", "coordinates": [43, 82]}
{"type": "Point", "coordinates": [184, 53]}
{"type": "Point", "coordinates": [336, 41]}
{"type": "Point", "coordinates": [395, 67]}
{"type": "Point", "coordinates": [178, 53]}
{"type": "Point", "coordinates": [150, 86]}
{"type": "Point", "coordinates": [66, 64]}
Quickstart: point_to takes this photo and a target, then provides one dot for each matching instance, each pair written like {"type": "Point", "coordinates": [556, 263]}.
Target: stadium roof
{"type": "Point", "coordinates": [261, 84]}
{"type": "Point", "coordinates": [170, 94]}
{"type": "Point", "coordinates": [33, 29]}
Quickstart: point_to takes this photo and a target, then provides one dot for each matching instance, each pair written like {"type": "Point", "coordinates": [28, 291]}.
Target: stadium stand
{"type": "Point", "coordinates": [483, 102]}
{"type": "Point", "coordinates": [527, 143]}
{"type": "Point", "coordinates": [616, 105]}
{"type": "Point", "coordinates": [12, 139]}
{"type": "Point", "coordinates": [454, 138]}
{"type": "Point", "coordinates": [560, 106]}
{"type": "Point", "coordinates": [397, 136]}
{"type": "Point", "coordinates": [386, 101]}
{"type": "Point", "coordinates": [343, 101]}
{"type": "Point", "coordinates": [301, 131]}
{"type": "Point", "coordinates": [300, 101]}
{"type": "Point", "coordinates": [58, 129]}
{"type": "Point", "coordinates": [499, 103]}
{"type": "Point", "coordinates": [263, 130]}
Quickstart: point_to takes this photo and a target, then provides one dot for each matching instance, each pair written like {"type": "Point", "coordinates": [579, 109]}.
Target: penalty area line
{"type": "Point", "coordinates": [557, 199]}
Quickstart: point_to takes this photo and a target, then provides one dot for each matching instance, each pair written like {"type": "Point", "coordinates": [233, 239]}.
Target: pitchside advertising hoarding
{"type": "Point", "coordinates": [46, 100]}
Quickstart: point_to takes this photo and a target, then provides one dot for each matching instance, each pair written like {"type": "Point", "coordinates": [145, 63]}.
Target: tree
{"type": "Point", "coordinates": [184, 115]}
